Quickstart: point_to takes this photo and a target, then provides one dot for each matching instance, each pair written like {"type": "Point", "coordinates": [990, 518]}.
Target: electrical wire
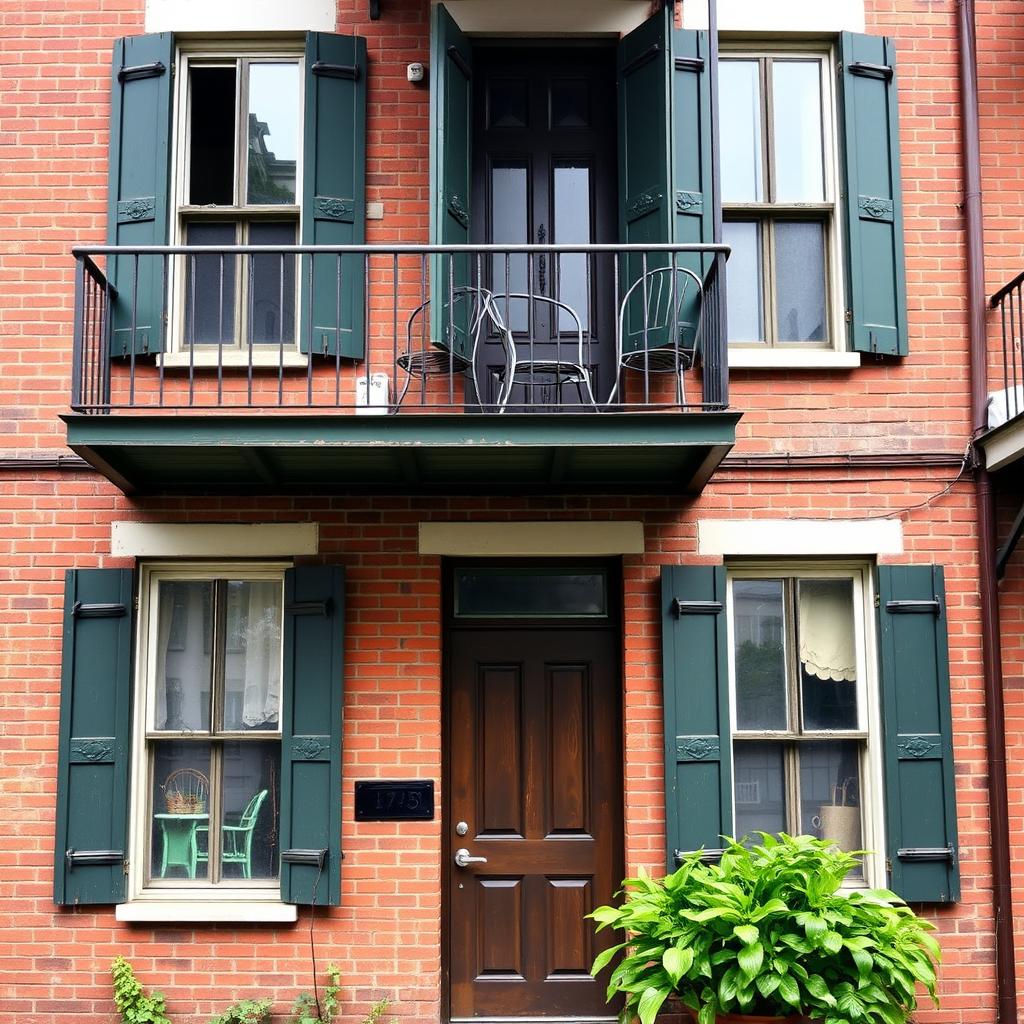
{"type": "Point", "coordinates": [312, 945]}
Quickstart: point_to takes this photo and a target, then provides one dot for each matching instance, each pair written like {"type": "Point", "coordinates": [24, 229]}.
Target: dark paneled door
{"type": "Point", "coordinates": [535, 769]}
{"type": "Point", "coordinates": [544, 170]}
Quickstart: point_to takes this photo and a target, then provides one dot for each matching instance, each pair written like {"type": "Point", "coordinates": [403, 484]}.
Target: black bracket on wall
{"type": "Point", "coordinates": [374, 10]}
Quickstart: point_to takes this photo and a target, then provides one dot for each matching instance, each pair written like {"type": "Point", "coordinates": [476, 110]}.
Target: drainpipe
{"type": "Point", "coordinates": [995, 728]}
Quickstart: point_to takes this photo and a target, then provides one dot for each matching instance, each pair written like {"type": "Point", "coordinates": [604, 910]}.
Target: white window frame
{"type": "Point", "coordinates": [868, 691]}
{"type": "Point", "coordinates": [255, 900]}
{"type": "Point", "coordinates": [203, 51]}
{"type": "Point", "coordinates": [810, 355]}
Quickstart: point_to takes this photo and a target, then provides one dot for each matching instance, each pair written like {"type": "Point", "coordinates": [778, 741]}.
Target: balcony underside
{"type": "Point", "coordinates": [441, 453]}
{"type": "Point", "coordinates": [1003, 446]}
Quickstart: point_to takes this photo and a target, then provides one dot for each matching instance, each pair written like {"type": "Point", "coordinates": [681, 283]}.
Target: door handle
{"type": "Point", "coordinates": [463, 859]}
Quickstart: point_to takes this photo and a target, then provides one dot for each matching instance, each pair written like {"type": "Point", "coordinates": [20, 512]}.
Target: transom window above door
{"type": "Point", "coordinates": [239, 138]}
{"type": "Point", "coordinates": [778, 191]}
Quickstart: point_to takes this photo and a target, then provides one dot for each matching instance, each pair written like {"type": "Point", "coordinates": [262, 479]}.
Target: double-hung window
{"type": "Point", "coordinates": [806, 751]}
{"type": "Point", "coordinates": [238, 174]}
{"type": "Point", "coordinates": [779, 187]}
{"type": "Point", "coordinates": [208, 730]}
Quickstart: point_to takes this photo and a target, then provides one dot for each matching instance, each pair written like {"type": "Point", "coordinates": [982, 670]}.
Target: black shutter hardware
{"type": "Point", "coordinates": [347, 71]}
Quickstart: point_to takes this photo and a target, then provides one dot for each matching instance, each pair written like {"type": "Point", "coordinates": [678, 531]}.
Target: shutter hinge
{"type": "Point", "coordinates": [135, 603]}
{"type": "Point", "coordinates": [680, 608]}
{"type": "Point", "coordinates": [848, 316]}
{"type": "Point", "coordinates": [97, 611]}
{"type": "Point", "coordinates": [888, 866]}
{"type": "Point", "coordinates": [933, 607]}
{"type": "Point", "coordinates": [126, 864]}
{"type": "Point", "coordinates": [878, 601]}
{"type": "Point", "coordinates": [309, 608]}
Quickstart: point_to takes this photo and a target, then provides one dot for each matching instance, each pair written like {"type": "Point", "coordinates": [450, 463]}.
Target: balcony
{"type": "Point", "coordinates": [415, 369]}
{"type": "Point", "coordinates": [1003, 442]}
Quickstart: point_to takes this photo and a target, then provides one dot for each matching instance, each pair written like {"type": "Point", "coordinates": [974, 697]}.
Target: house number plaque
{"type": "Point", "coordinates": [381, 800]}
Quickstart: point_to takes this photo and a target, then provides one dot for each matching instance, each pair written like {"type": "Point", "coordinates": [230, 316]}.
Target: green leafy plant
{"type": "Point", "coordinates": [306, 1009]}
{"type": "Point", "coordinates": [245, 1011]}
{"type": "Point", "coordinates": [132, 1003]}
{"type": "Point", "coordinates": [766, 931]}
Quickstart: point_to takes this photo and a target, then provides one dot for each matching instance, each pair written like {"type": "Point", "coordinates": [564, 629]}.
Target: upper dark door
{"type": "Point", "coordinates": [535, 770]}
{"type": "Point", "coordinates": [544, 170]}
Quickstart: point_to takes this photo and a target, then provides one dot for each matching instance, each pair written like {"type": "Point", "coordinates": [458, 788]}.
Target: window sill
{"type": "Point", "coordinates": [790, 359]}
{"type": "Point", "coordinates": [212, 911]}
{"type": "Point", "coordinates": [236, 360]}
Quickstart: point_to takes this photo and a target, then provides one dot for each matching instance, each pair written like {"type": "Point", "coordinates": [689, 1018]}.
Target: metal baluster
{"type": "Point", "coordinates": [105, 342]}
{"type": "Point", "coordinates": [647, 343]}
{"type": "Point", "coordinates": [280, 333]}
{"type": "Point", "coordinates": [588, 261]}
{"type": "Point", "coordinates": [135, 311]}
{"type": "Point", "coordinates": [249, 262]}
{"type": "Point", "coordinates": [164, 303]}
{"type": "Point", "coordinates": [366, 326]}
{"type": "Point", "coordinates": [78, 357]}
{"type": "Point", "coordinates": [337, 324]}
{"type": "Point", "coordinates": [220, 330]}
{"type": "Point", "coordinates": [394, 321]}
{"type": "Point", "coordinates": [424, 317]}
{"type": "Point", "coordinates": [309, 311]}
{"type": "Point", "coordinates": [451, 329]}
{"type": "Point", "coordinates": [192, 329]}
{"type": "Point", "coordinates": [675, 327]}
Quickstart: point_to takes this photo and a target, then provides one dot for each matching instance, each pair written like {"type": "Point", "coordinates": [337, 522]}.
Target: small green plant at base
{"type": "Point", "coordinates": [767, 931]}
{"type": "Point", "coordinates": [245, 1011]}
{"type": "Point", "coordinates": [305, 1010]}
{"type": "Point", "coordinates": [132, 1003]}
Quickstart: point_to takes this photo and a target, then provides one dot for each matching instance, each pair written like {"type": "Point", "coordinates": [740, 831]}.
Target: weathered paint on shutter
{"type": "Point", "coordinates": [875, 269]}
{"type": "Point", "coordinates": [698, 751]}
{"type": "Point", "coordinates": [314, 621]}
{"type": "Point", "coordinates": [334, 195]}
{"type": "Point", "coordinates": [139, 189]}
{"type": "Point", "coordinates": [451, 96]}
{"type": "Point", "coordinates": [920, 794]}
{"type": "Point", "coordinates": [95, 737]}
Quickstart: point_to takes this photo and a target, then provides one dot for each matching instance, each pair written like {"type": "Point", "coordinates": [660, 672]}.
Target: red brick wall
{"type": "Point", "coordinates": [54, 95]}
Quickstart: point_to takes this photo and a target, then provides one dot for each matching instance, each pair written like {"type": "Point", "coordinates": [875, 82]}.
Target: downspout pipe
{"type": "Point", "coordinates": [995, 724]}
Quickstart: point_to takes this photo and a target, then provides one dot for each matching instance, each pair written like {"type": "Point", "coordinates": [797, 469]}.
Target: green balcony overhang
{"type": "Point", "coordinates": [439, 453]}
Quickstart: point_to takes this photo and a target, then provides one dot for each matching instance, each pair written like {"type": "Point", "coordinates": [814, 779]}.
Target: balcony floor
{"type": "Point", "coordinates": [641, 452]}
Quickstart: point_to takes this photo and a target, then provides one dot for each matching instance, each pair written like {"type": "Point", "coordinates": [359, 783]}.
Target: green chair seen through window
{"type": "Point", "coordinates": [237, 839]}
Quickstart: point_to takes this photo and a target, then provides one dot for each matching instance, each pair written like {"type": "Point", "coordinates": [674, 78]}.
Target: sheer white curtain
{"type": "Point", "coordinates": [261, 699]}
{"type": "Point", "coordinates": [827, 642]}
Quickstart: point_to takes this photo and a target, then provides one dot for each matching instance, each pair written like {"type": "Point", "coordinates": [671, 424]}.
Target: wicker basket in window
{"type": "Point", "coordinates": [185, 791]}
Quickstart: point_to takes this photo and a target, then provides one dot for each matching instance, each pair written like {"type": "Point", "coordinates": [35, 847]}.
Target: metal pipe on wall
{"type": "Point", "coordinates": [995, 724]}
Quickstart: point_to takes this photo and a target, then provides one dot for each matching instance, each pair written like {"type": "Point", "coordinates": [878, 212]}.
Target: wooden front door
{"type": "Point", "coordinates": [535, 788]}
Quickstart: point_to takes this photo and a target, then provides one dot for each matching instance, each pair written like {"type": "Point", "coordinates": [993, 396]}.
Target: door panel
{"type": "Point", "coordinates": [544, 170]}
{"type": "Point", "coordinates": [535, 774]}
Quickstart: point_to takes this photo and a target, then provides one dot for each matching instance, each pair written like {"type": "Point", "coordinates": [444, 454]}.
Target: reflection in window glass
{"type": "Point", "coordinates": [759, 787]}
{"type": "Point", "coordinates": [180, 799]}
{"type": "Point", "coordinates": [572, 224]}
{"type": "Point", "coordinates": [760, 657]}
{"type": "Point", "coordinates": [739, 83]}
{"type": "Point", "coordinates": [183, 655]}
{"type": "Point", "coordinates": [272, 317]}
{"type": "Point", "coordinates": [743, 302]}
{"type": "Point", "coordinates": [796, 128]}
{"type": "Point", "coordinates": [800, 280]}
{"type": "Point", "coordinates": [211, 135]}
{"type": "Point", "coordinates": [510, 225]}
{"type": "Point", "coordinates": [273, 131]}
{"type": "Point", "coordinates": [830, 804]}
{"type": "Point", "coordinates": [252, 661]}
{"type": "Point", "coordinates": [248, 832]}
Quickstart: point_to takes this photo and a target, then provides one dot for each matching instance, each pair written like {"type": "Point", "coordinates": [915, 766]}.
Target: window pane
{"type": "Point", "coordinates": [180, 801]}
{"type": "Point", "coordinates": [273, 285]}
{"type": "Point", "coordinates": [184, 626]}
{"type": "Point", "coordinates": [796, 127]}
{"type": "Point", "coordinates": [744, 307]}
{"type": "Point", "coordinates": [572, 224]}
{"type": "Point", "coordinates": [510, 225]}
{"type": "Point", "coordinates": [252, 657]}
{"type": "Point", "coordinates": [799, 281]}
{"type": "Point", "coordinates": [273, 128]}
{"type": "Point", "coordinates": [739, 84]}
{"type": "Point", "coordinates": [209, 287]}
{"type": "Point", "coordinates": [501, 592]}
{"type": "Point", "coordinates": [828, 659]}
{"type": "Point", "coordinates": [830, 794]}
{"type": "Point", "coordinates": [760, 781]}
{"type": "Point", "coordinates": [249, 840]}
{"type": "Point", "coordinates": [211, 136]}
{"type": "Point", "coordinates": [758, 636]}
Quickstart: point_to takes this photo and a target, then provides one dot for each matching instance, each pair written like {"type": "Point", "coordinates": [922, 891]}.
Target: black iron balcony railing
{"type": "Point", "coordinates": [1008, 401]}
{"type": "Point", "coordinates": [397, 329]}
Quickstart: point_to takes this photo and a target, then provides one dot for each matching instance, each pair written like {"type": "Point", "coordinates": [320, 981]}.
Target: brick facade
{"type": "Point", "coordinates": [385, 937]}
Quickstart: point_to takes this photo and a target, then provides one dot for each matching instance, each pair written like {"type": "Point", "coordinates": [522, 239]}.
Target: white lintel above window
{"type": "Point", "coordinates": [802, 16]}
{"type": "Point", "coordinates": [234, 15]}
{"type": "Point", "coordinates": [785, 538]}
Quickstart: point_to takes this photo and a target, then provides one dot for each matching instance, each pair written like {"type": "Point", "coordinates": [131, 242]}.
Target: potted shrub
{"type": "Point", "coordinates": [767, 933]}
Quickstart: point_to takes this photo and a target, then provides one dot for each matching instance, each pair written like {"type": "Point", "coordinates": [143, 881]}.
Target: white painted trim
{"type": "Point", "coordinates": [237, 911]}
{"type": "Point", "coordinates": [512, 540]}
{"type": "Point", "coordinates": [784, 538]}
{"type": "Point", "coordinates": [791, 359]}
{"type": "Point", "coordinates": [267, 357]}
{"type": "Point", "coordinates": [544, 18]}
{"type": "Point", "coordinates": [213, 540]}
{"type": "Point", "coordinates": [1004, 445]}
{"type": "Point", "coordinates": [240, 15]}
{"type": "Point", "coordinates": [787, 17]}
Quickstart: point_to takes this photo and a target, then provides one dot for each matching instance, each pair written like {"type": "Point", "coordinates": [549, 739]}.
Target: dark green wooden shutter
{"type": "Point", "coordinates": [451, 96]}
{"type": "Point", "coordinates": [314, 621]}
{"type": "Point", "coordinates": [334, 194]}
{"type": "Point", "coordinates": [875, 271]}
{"type": "Point", "coordinates": [139, 188]}
{"type": "Point", "coordinates": [920, 795]}
{"type": "Point", "coordinates": [698, 750]}
{"type": "Point", "coordinates": [95, 737]}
